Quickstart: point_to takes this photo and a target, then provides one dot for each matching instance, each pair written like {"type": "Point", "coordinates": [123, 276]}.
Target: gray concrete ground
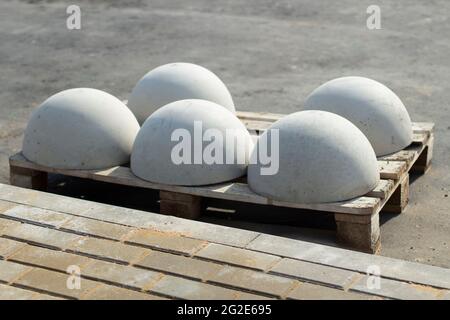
{"type": "Point", "coordinates": [271, 54]}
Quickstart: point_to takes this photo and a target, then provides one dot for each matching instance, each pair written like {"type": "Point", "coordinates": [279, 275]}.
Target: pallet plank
{"type": "Point", "coordinates": [392, 169]}
{"type": "Point", "coordinates": [382, 190]}
{"type": "Point", "coordinates": [407, 156]}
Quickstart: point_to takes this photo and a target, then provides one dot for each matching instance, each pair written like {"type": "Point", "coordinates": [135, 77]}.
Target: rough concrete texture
{"type": "Point", "coordinates": [323, 157]}
{"type": "Point", "coordinates": [371, 106]}
{"type": "Point", "coordinates": [80, 128]}
{"type": "Point", "coordinates": [177, 81]}
{"type": "Point", "coordinates": [270, 54]}
{"type": "Point", "coordinates": [191, 142]}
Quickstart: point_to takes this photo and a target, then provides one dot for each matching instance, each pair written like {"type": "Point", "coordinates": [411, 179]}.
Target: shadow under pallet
{"type": "Point", "coordinates": [357, 220]}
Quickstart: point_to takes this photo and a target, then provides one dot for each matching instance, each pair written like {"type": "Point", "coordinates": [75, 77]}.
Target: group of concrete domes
{"type": "Point", "coordinates": [327, 152]}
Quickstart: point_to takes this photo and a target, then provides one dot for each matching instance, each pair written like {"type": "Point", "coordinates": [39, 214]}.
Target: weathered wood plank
{"type": "Point", "coordinates": [392, 169]}
{"type": "Point", "coordinates": [407, 156]}
{"type": "Point", "coordinates": [382, 190]}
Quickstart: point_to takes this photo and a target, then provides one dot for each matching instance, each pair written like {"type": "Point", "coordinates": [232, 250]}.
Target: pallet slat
{"type": "Point", "coordinates": [391, 169]}
{"type": "Point", "coordinates": [382, 190]}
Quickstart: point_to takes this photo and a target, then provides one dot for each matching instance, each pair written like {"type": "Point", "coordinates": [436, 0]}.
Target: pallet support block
{"type": "Point", "coordinates": [28, 178]}
{"type": "Point", "coordinates": [423, 163]}
{"type": "Point", "coordinates": [359, 232]}
{"type": "Point", "coordinates": [180, 205]}
{"type": "Point", "coordinates": [400, 198]}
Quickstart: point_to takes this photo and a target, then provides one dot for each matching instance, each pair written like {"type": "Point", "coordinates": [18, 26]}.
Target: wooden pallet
{"type": "Point", "coordinates": [357, 220]}
{"type": "Point", "coordinates": [121, 253]}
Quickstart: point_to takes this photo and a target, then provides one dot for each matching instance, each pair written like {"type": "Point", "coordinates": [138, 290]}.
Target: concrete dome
{"type": "Point", "coordinates": [157, 155]}
{"type": "Point", "coordinates": [371, 106]}
{"type": "Point", "coordinates": [173, 82]}
{"type": "Point", "coordinates": [80, 128]}
{"type": "Point", "coordinates": [322, 158]}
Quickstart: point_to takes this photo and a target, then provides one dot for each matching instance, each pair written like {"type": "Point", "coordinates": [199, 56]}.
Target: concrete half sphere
{"type": "Point", "coordinates": [177, 81]}
{"type": "Point", "coordinates": [155, 149]}
{"type": "Point", "coordinates": [322, 158]}
{"type": "Point", "coordinates": [371, 106]}
{"type": "Point", "coordinates": [80, 128]}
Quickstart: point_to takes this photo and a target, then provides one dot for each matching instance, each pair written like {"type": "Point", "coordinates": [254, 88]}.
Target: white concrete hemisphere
{"type": "Point", "coordinates": [191, 142]}
{"type": "Point", "coordinates": [80, 128]}
{"type": "Point", "coordinates": [177, 81]}
{"type": "Point", "coordinates": [322, 158]}
{"type": "Point", "coordinates": [371, 106]}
